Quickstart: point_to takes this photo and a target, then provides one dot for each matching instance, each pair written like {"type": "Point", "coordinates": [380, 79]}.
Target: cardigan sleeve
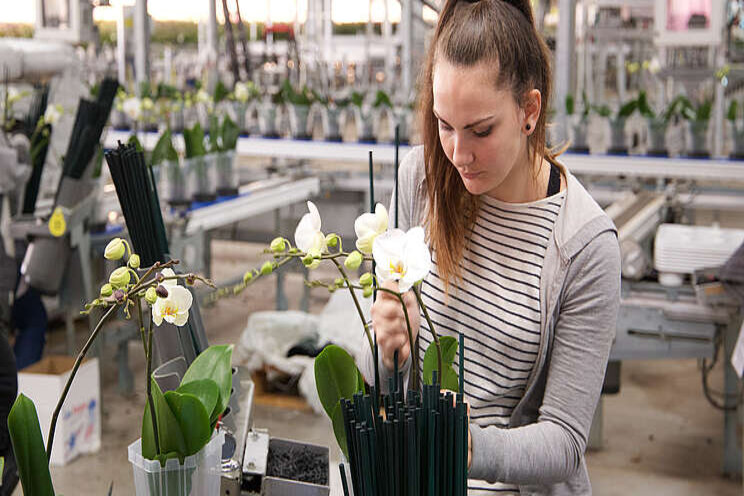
{"type": "Point", "coordinates": [551, 450]}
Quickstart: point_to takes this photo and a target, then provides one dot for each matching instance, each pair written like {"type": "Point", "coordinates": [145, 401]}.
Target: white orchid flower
{"type": "Point", "coordinates": [241, 91]}
{"type": "Point", "coordinates": [53, 114]}
{"type": "Point", "coordinates": [174, 309]}
{"type": "Point", "coordinates": [370, 225]}
{"type": "Point", "coordinates": [401, 256]}
{"type": "Point", "coordinates": [308, 236]}
{"type": "Point", "coordinates": [132, 107]}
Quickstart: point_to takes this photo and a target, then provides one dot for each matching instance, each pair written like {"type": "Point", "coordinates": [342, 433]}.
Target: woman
{"type": "Point", "coordinates": [526, 264]}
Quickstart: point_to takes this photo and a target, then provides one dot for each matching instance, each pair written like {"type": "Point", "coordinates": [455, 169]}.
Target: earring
{"type": "Point", "coordinates": [528, 127]}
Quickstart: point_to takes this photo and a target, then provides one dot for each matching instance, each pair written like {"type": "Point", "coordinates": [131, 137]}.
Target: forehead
{"type": "Point", "coordinates": [467, 90]}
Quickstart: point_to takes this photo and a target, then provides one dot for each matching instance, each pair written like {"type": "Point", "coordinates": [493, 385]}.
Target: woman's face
{"type": "Point", "coordinates": [481, 128]}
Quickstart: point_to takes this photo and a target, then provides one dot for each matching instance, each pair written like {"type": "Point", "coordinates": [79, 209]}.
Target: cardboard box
{"type": "Point", "coordinates": [79, 423]}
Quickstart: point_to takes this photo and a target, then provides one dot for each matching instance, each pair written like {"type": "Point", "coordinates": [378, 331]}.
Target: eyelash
{"type": "Point", "coordinates": [480, 135]}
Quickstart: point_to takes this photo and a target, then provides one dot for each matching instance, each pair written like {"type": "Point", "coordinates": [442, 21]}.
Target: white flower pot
{"type": "Point", "coordinates": [298, 121]}
{"type": "Point", "coordinates": [199, 474]}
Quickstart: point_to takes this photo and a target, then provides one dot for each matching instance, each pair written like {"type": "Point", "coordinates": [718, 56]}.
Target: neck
{"type": "Point", "coordinates": [527, 182]}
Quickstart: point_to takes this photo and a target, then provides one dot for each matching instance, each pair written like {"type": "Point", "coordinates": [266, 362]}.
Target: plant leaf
{"type": "Point", "coordinates": [205, 389]}
{"type": "Point", "coordinates": [214, 363]}
{"type": "Point", "coordinates": [449, 349]}
{"type": "Point", "coordinates": [220, 92]}
{"type": "Point", "coordinates": [336, 377]}
{"type": "Point", "coordinates": [28, 445]}
{"type": "Point", "coordinates": [339, 429]}
{"type": "Point", "coordinates": [214, 133]}
{"type": "Point", "coordinates": [169, 430]}
{"type": "Point", "coordinates": [134, 140]}
{"type": "Point", "coordinates": [193, 420]}
{"type": "Point", "coordinates": [194, 140]}
{"type": "Point", "coordinates": [163, 150]}
{"type": "Point", "coordinates": [230, 134]}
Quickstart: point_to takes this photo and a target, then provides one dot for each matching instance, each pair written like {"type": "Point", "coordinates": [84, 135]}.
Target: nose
{"type": "Point", "coordinates": [462, 154]}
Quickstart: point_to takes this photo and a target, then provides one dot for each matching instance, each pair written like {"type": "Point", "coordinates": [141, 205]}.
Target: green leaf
{"type": "Point", "coordinates": [214, 133]}
{"type": "Point", "coordinates": [214, 363]}
{"type": "Point", "coordinates": [602, 110]}
{"type": "Point", "coordinates": [733, 110]}
{"type": "Point", "coordinates": [220, 92]}
{"type": "Point", "coordinates": [570, 107]}
{"type": "Point", "coordinates": [2, 465]}
{"type": "Point", "coordinates": [339, 429]}
{"type": "Point", "coordinates": [627, 109]}
{"type": "Point", "coordinates": [193, 420]}
{"type": "Point", "coordinates": [336, 377]}
{"type": "Point", "coordinates": [230, 134]}
{"type": "Point", "coordinates": [644, 108]}
{"type": "Point", "coordinates": [382, 100]}
{"type": "Point", "coordinates": [28, 445]}
{"type": "Point", "coordinates": [194, 140]}
{"type": "Point", "coordinates": [133, 140]}
{"type": "Point", "coordinates": [357, 99]}
{"type": "Point", "coordinates": [206, 390]}
{"type": "Point", "coordinates": [164, 150]}
{"type": "Point", "coordinates": [449, 349]}
{"type": "Point", "coordinates": [169, 429]}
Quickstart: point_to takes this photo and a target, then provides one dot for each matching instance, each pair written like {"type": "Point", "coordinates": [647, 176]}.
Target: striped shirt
{"type": "Point", "coordinates": [497, 307]}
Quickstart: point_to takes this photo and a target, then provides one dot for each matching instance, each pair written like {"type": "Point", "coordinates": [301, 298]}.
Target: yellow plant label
{"type": "Point", "coordinates": [57, 224]}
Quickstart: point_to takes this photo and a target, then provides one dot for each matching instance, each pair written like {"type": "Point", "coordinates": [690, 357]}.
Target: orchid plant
{"type": "Point", "coordinates": [175, 424]}
{"type": "Point", "coordinates": [397, 256]}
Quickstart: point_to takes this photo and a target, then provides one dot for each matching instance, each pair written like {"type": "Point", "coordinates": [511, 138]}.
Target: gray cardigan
{"type": "Point", "coordinates": [543, 448]}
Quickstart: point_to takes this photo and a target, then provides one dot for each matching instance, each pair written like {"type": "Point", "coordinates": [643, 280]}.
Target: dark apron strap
{"type": "Point", "coordinates": [554, 183]}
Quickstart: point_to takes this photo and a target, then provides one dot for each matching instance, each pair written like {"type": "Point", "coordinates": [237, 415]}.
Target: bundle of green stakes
{"type": "Point", "coordinates": [418, 447]}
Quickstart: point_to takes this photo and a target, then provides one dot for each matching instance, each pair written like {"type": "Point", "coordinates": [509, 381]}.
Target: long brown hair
{"type": "Point", "coordinates": [503, 34]}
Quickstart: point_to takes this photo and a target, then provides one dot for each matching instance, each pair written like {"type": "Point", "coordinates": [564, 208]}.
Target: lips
{"type": "Point", "coordinates": [470, 175]}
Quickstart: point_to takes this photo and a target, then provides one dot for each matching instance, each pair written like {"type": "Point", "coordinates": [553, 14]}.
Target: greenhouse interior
{"type": "Point", "coordinates": [371, 247]}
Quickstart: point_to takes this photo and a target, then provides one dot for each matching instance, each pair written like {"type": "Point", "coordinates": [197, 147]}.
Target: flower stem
{"type": "Point", "coordinates": [356, 303]}
{"type": "Point", "coordinates": [148, 355]}
{"type": "Point", "coordinates": [433, 332]}
{"type": "Point", "coordinates": [411, 343]}
{"type": "Point", "coordinates": [78, 361]}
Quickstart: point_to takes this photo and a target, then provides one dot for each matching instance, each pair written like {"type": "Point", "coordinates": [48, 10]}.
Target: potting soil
{"type": "Point", "coordinates": [300, 464]}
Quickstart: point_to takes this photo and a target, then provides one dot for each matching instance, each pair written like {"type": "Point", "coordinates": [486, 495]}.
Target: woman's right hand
{"type": "Point", "coordinates": [389, 323]}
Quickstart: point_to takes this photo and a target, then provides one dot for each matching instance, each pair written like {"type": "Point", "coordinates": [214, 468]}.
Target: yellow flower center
{"type": "Point", "coordinates": [398, 268]}
{"type": "Point", "coordinates": [170, 310]}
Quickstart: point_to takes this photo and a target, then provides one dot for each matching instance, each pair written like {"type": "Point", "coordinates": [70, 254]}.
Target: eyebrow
{"type": "Point", "coordinates": [469, 126]}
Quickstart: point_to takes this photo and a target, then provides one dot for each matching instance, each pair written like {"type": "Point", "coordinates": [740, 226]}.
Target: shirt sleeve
{"type": "Point", "coordinates": [551, 450]}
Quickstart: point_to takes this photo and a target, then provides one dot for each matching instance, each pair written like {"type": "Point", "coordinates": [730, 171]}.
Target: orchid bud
{"type": "Point", "coordinates": [278, 245]}
{"type": "Point", "coordinates": [366, 279]}
{"type": "Point", "coordinates": [134, 261]}
{"type": "Point", "coordinates": [267, 268]}
{"type": "Point", "coordinates": [190, 280]}
{"type": "Point", "coordinates": [119, 295]}
{"type": "Point", "coordinates": [293, 251]}
{"type": "Point", "coordinates": [151, 295]}
{"type": "Point", "coordinates": [115, 249]}
{"type": "Point", "coordinates": [161, 291]}
{"type": "Point", "coordinates": [331, 240]}
{"type": "Point", "coordinates": [120, 277]}
{"type": "Point", "coordinates": [367, 291]}
{"type": "Point", "coordinates": [107, 290]}
{"type": "Point", "coordinates": [247, 277]}
{"type": "Point", "coordinates": [339, 282]}
{"type": "Point", "coordinates": [353, 261]}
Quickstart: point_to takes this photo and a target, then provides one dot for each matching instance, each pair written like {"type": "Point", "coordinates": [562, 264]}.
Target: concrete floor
{"type": "Point", "coordinates": [661, 437]}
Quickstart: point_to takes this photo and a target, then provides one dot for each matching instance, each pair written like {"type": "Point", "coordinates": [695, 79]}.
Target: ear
{"type": "Point", "coordinates": [532, 107]}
